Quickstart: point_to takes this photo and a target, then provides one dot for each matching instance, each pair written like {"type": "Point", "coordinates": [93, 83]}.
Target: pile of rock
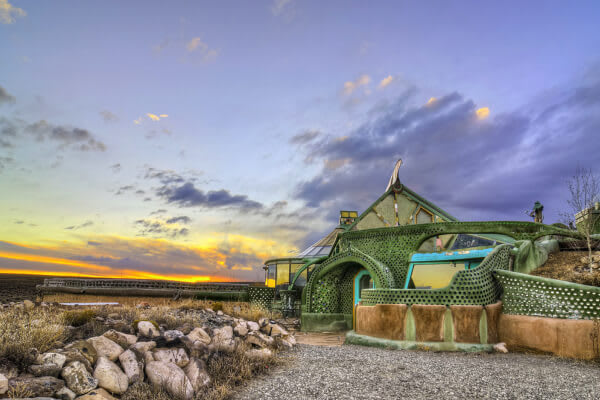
{"type": "Point", "coordinates": [105, 366]}
{"type": "Point", "coordinates": [585, 261]}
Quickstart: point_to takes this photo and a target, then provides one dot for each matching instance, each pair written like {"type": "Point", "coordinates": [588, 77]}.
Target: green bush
{"type": "Point", "coordinates": [218, 306]}
{"type": "Point", "coordinates": [78, 317]}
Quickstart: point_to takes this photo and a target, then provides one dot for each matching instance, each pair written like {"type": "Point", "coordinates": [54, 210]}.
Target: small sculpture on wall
{"type": "Point", "coordinates": [537, 212]}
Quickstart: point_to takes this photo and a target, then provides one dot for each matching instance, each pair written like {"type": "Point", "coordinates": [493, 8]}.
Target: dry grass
{"type": "Point", "coordinates": [230, 370]}
{"type": "Point", "coordinates": [19, 391]}
{"type": "Point", "coordinates": [145, 391]}
{"type": "Point", "coordinates": [22, 330]}
{"type": "Point", "coordinates": [562, 265]}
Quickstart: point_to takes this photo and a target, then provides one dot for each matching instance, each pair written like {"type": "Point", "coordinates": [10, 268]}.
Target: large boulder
{"type": "Point", "coordinates": [259, 339]}
{"type": "Point", "coordinates": [86, 348]}
{"type": "Point", "coordinates": [258, 354]}
{"type": "Point", "coordinates": [97, 394]}
{"type": "Point", "coordinates": [252, 326]}
{"type": "Point", "coordinates": [274, 330]}
{"type": "Point", "coordinates": [110, 376]}
{"type": "Point", "coordinates": [197, 375]}
{"type": "Point", "coordinates": [45, 386]}
{"type": "Point", "coordinates": [133, 367]}
{"type": "Point", "coordinates": [172, 336]}
{"type": "Point", "coordinates": [172, 355]}
{"type": "Point", "coordinates": [48, 364]}
{"type": "Point", "coordinates": [142, 347]}
{"type": "Point", "coordinates": [75, 354]}
{"type": "Point", "coordinates": [65, 394]}
{"type": "Point", "coordinates": [148, 329]}
{"type": "Point", "coordinates": [170, 377]}
{"type": "Point", "coordinates": [106, 347]}
{"type": "Point", "coordinates": [200, 335]}
{"type": "Point", "coordinates": [122, 339]}
{"type": "Point", "coordinates": [3, 384]}
{"type": "Point", "coordinates": [240, 330]}
{"type": "Point", "coordinates": [196, 349]}
{"type": "Point", "coordinates": [223, 339]}
{"type": "Point", "coordinates": [78, 379]}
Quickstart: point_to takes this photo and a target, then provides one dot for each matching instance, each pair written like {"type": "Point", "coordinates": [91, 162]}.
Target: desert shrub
{"type": "Point", "coordinates": [22, 333]}
{"type": "Point", "coordinates": [145, 391]}
{"type": "Point", "coordinates": [78, 317]}
{"type": "Point", "coordinates": [228, 370]}
{"type": "Point", "coordinates": [217, 306]}
{"type": "Point", "coordinates": [19, 391]}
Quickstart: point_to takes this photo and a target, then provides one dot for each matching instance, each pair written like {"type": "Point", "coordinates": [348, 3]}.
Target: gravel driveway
{"type": "Point", "coordinates": [356, 372]}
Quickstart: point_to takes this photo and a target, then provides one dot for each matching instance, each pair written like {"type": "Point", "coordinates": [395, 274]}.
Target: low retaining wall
{"type": "Point", "coordinates": [448, 328]}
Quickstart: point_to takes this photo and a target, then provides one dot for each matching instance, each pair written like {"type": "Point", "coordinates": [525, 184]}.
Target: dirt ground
{"type": "Point", "coordinates": [562, 265]}
{"type": "Point", "coordinates": [19, 287]}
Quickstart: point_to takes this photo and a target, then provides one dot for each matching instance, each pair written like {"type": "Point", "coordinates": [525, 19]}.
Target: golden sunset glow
{"type": "Point", "coordinates": [431, 101]}
{"type": "Point", "coordinates": [483, 112]}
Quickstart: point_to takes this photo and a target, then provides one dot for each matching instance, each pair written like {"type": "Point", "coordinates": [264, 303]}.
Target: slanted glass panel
{"type": "Point", "coordinates": [324, 251]}
{"type": "Point", "coordinates": [301, 281]}
{"type": "Point", "coordinates": [271, 275]}
{"type": "Point", "coordinates": [314, 251]}
{"type": "Point", "coordinates": [305, 252]}
{"type": "Point", "coordinates": [283, 273]}
{"type": "Point", "coordinates": [424, 217]}
{"type": "Point", "coordinates": [433, 276]}
{"type": "Point", "coordinates": [466, 241]}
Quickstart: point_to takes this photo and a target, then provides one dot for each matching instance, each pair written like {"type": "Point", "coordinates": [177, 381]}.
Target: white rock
{"type": "Point", "coordinates": [142, 347]}
{"type": "Point", "coordinates": [105, 347]}
{"type": "Point", "coordinates": [110, 376]}
{"type": "Point", "coordinates": [175, 356]}
{"type": "Point", "coordinates": [500, 347]}
{"type": "Point", "coordinates": [223, 339]}
{"type": "Point", "coordinates": [147, 329]}
{"type": "Point", "coordinates": [65, 394]}
{"type": "Point", "coordinates": [199, 334]}
{"type": "Point", "coordinates": [172, 335]}
{"type": "Point", "coordinates": [219, 312]}
{"type": "Point", "coordinates": [122, 339]}
{"type": "Point", "coordinates": [148, 357]}
{"type": "Point", "coordinates": [274, 330]}
{"type": "Point", "coordinates": [52, 358]}
{"type": "Point", "coordinates": [240, 330]}
{"type": "Point", "coordinates": [170, 377]}
{"type": "Point", "coordinates": [252, 326]}
{"type": "Point", "coordinates": [97, 394]}
{"type": "Point", "coordinates": [291, 339]}
{"type": "Point", "coordinates": [3, 384]}
{"type": "Point", "coordinates": [78, 379]}
{"type": "Point", "coordinates": [28, 304]}
{"type": "Point", "coordinates": [258, 353]}
{"type": "Point", "coordinates": [132, 366]}
{"type": "Point", "coordinates": [259, 339]}
{"type": "Point", "coordinates": [197, 375]}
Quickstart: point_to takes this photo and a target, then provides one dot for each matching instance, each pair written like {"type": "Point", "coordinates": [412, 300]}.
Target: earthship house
{"type": "Point", "coordinates": [407, 274]}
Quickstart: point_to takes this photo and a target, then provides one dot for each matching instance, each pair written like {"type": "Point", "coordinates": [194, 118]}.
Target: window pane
{"type": "Point", "coordinates": [283, 274]}
{"type": "Point", "coordinates": [423, 217]}
{"type": "Point", "coordinates": [271, 276]}
{"type": "Point", "coordinates": [433, 276]}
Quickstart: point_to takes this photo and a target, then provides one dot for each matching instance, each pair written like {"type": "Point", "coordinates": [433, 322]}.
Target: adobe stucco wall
{"type": "Point", "coordinates": [480, 325]}
{"type": "Point", "coordinates": [563, 337]}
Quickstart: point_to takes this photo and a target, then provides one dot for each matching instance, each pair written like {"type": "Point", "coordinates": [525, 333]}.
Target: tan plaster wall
{"type": "Point", "coordinates": [466, 323]}
{"type": "Point", "coordinates": [370, 221]}
{"type": "Point", "coordinates": [384, 321]}
{"type": "Point", "coordinates": [493, 312]}
{"type": "Point", "coordinates": [429, 322]}
{"type": "Point", "coordinates": [563, 337]}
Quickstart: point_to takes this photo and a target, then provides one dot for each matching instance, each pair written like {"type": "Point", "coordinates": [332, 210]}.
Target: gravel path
{"type": "Point", "coordinates": [357, 372]}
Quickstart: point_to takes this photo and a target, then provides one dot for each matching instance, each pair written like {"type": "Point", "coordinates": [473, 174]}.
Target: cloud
{"type": "Point", "coordinates": [84, 225]}
{"type": "Point", "coordinates": [483, 112]}
{"type": "Point", "coordinates": [386, 81]}
{"type": "Point", "coordinates": [351, 86]}
{"type": "Point", "coordinates": [197, 46]}
{"type": "Point", "coordinates": [161, 228]}
{"type": "Point", "coordinates": [305, 137]}
{"type": "Point", "coordinates": [474, 170]}
{"type": "Point", "coordinates": [124, 189]}
{"type": "Point", "coordinates": [66, 136]}
{"type": "Point", "coordinates": [4, 161]}
{"type": "Point", "coordinates": [6, 97]}
{"type": "Point", "coordinates": [116, 167]}
{"type": "Point", "coordinates": [159, 211]}
{"type": "Point", "coordinates": [282, 7]}
{"type": "Point", "coordinates": [183, 220]}
{"type": "Point", "coordinates": [187, 195]}
{"type": "Point", "coordinates": [8, 12]}
{"type": "Point", "coordinates": [108, 116]}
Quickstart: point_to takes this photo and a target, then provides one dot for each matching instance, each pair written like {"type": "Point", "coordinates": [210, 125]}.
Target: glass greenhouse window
{"type": "Point", "coordinates": [271, 275]}
{"type": "Point", "coordinates": [432, 276]}
{"type": "Point", "coordinates": [283, 274]}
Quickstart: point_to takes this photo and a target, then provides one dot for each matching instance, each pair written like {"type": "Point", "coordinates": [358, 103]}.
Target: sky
{"type": "Point", "coordinates": [193, 140]}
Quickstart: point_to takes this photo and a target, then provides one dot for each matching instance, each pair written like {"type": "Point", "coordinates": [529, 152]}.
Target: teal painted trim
{"type": "Point", "coordinates": [363, 340]}
{"type": "Point", "coordinates": [302, 268]}
{"type": "Point", "coordinates": [408, 275]}
{"type": "Point", "coordinates": [357, 285]}
{"type": "Point", "coordinates": [451, 255]}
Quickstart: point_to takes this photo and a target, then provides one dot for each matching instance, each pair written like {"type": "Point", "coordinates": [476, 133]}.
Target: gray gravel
{"type": "Point", "coordinates": [356, 372]}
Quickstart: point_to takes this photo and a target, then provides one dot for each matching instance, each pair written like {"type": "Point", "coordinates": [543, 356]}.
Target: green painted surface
{"type": "Point", "coordinates": [483, 328]}
{"type": "Point", "coordinates": [544, 297]}
{"type": "Point", "coordinates": [317, 322]}
{"type": "Point", "coordinates": [448, 326]}
{"type": "Point", "coordinates": [410, 332]}
{"type": "Point", "coordinates": [354, 338]}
